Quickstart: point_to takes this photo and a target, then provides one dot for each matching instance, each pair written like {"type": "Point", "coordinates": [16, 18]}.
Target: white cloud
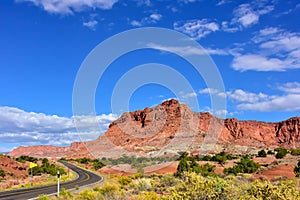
{"type": "Point", "coordinates": [248, 15]}
{"type": "Point", "coordinates": [188, 95]}
{"type": "Point", "coordinates": [196, 29]}
{"type": "Point", "coordinates": [18, 126]}
{"type": "Point", "coordinates": [71, 6]}
{"type": "Point", "coordinates": [189, 1]}
{"type": "Point", "coordinates": [291, 87]}
{"type": "Point", "coordinates": [262, 63]}
{"type": "Point", "coordinates": [228, 27]}
{"type": "Point", "coordinates": [135, 23]}
{"type": "Point", "coordinates": [210, 91]}
{"type": "Point", "coordinates": [290, 102]}
{"type": "Point", "coordinates": [222, 2]}
{"type": "Point", "coordinates": [266, 34]}
{"type": "Point", "coordinates": [285, 42]}
{"type": "Point", "coordinates": [151, 19]}
{"type": "Point", "coordinates": [188, 50]}
{"type": "Point", "coordinates": [156, 16]}
{"type": "Point", "coordinates": [279, 50]}
{"type": "Point", "coordinates": [91, 24]}
{"type": "Point", "coordinates": [244, 96]}
{"type": "Point", "coordinates": [237, 95]}
{"type": "Point", "coordinates": [245, 15]}
{"type": "Point", "coordinates": [143, 2]}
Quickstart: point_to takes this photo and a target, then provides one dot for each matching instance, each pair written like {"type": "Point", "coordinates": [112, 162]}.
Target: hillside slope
{"type": "Point", "coordinates": [172, 127]}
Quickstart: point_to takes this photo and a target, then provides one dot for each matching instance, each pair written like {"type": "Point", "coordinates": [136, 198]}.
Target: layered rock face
{"type": "Point", "coordinates": [171, 127]}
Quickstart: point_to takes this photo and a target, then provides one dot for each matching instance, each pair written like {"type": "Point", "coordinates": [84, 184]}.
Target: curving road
{"type": "Point", "coordinates": [84, 178]}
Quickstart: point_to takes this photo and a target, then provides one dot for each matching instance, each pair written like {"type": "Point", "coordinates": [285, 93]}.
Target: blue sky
{"type": "Point", "coordinates": [254, 44]}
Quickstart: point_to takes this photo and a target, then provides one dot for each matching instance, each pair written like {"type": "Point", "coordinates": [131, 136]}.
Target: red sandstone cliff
{"type": "Point", "coordinates": [171, 127]}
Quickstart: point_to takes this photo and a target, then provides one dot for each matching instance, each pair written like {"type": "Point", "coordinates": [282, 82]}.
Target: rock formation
{"type": "Point", "coordinates": [172, 127]}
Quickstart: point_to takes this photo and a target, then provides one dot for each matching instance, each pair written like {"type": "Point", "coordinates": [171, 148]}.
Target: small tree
{"type": "Point", "coordinates": [2, 173]}
{"type": "Point", "coordinates": [281, 153]}
{"type": "Point", "coordinates": [262, 153]}
{"type": "Point", "coordinates": [183, 166]}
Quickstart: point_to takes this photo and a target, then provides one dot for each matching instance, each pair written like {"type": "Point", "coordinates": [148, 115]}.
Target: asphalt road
{"type": "Point", "coordinates": [84, 178]}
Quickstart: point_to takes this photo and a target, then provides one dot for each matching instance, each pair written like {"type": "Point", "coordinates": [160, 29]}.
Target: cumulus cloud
{"type": "Point", "coordinates": [245, 15]}
{"type": "Point", "coordinates": [151, 19]}
{"type": "Point", "coordinates": [279, 50]}
{"type": "Point", "coordinates": [91, 24]}
{"type": "Point", "coordinates": [261, 63]}
{"type": "Point", "coordinates": [248, 15]}
{"type": "Point", "coordinates": [135, 23]}
{"type": "Point", "coordinates": [19, 126]}
{"type": "Point", "coordinates": [156, 16]}
{"type": "Point", "coordinates": [185, 96]}
{"type": "Point", "coordinates": [291, 87]}
{"type": "Point", "coordinates": [197, 28]}
{"type": "Point", "coordinates": [188, 50]}
{"type": "Point", "coordinates": [244, 96]}
{"type": "Point", "coordinates": [69, 7]}
{"type": "Point", "coordinates": [289, 101]}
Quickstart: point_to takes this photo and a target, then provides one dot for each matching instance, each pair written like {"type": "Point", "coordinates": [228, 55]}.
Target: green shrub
{"type": "Point", "coordinates": [97, 164]}
{"type": "Point", "coordinates": [83, 160]}
{"type": "Point", "coordinates": [206, 158]}
{"type": "Point", "coordinates": [295, 152]}
{"type": "Point", "coordinates": [281, 153]}
{"type": "Point", "coordinates": [270, 152]}
{"type": "Point", "coordinates": [23, 159]}
{"type": "Point", "coordinates": [46, 168]}
{"type": "Point", "coordinates": [189, 164]}
{"type": "Point", "coordinates": [220, 158]}
{"type": "Point", "coordinates": [2, 173]}
{"type": "Point", "coordinates": [262, 153]}
{"type": "Point", "coordinates": [246, 165]}
{"type": "Point", "coordinates": [183, 166]}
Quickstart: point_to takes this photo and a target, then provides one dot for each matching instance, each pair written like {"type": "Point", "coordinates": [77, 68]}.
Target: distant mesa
{"type": "Point", "coordinates": [171, 127]}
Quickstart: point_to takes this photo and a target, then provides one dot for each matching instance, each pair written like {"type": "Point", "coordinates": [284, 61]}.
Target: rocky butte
{"type": "Point", "coordinates": [172, 127]}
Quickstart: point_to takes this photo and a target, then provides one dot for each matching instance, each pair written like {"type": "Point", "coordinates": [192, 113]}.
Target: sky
{"type": "Point", "coordinates": [255, 46]}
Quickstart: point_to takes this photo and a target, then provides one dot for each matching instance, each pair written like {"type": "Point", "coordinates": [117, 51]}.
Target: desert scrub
{"type": "Point", "coordinates": [146, 196]}
{"type": "Point", "coordinates": [65, 194]}
{"type": "Point", "coordinates": [89, 195]}
{"type": "Point", "coordinates": [110, 191]}
{"type": "Point", "coordinates": [194, 186]}
{"type": "Point", "coordinates": [266, 190]}
{"type": "Point", "coordinates": [123, 180]}
{"type": "Point", "coordinates": [43, 197]}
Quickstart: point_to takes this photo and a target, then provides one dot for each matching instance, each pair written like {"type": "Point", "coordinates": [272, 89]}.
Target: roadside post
{"type": "Point", "coordinates": [58, 179]}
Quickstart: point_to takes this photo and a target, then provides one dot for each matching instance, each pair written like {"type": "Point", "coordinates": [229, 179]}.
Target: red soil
{"type": "Point", "coordinates": [284, 170]}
